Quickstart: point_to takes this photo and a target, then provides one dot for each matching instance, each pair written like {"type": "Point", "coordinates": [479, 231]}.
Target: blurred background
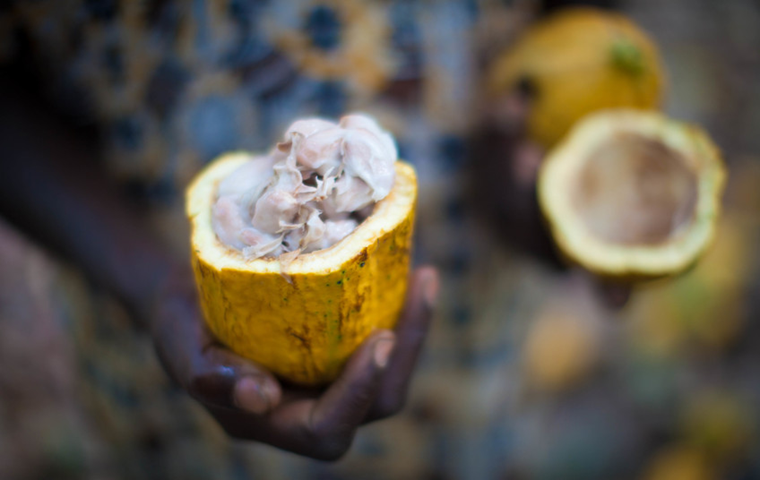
{"type": "Point", "coordinates": [527, 373]}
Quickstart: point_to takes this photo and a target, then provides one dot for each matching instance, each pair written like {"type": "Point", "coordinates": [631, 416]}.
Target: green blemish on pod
{"type": "Point", "coordinates": [627, 56]}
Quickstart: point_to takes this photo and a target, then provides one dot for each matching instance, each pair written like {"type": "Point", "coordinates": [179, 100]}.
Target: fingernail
{"type": "Point", "coordinates": [383, 350]}
{"type": "Point", "coordinates": [430, 289]}
{"type": "Point", "coordinates": [251, 395]}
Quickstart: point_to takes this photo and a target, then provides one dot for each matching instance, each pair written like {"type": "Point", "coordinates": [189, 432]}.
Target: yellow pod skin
{"type": "Point", "coordinates": [605, 139]}
{"type": "Point", "coordinates": [577, 61]}
{"type": "Point", "coordinates": [303, 323]}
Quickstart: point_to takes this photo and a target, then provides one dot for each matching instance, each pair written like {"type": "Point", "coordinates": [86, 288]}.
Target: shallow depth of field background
{"type": "Point", "coordinates": [669, 384]}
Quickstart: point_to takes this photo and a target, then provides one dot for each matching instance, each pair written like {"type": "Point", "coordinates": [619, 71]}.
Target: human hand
{"type": "Point", "coordinates": [250, 404]}
{"type": "Point", "coordinates": [503, 179]}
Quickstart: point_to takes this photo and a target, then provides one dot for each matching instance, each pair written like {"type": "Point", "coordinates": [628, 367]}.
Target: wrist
{"type": "Point", "coordinates": [140, 279]}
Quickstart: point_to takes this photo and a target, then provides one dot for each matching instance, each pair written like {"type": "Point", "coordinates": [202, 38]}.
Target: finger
{"type": "Point", "coordinates": [346, 403]}
{"type": "Point", "coordinates": [324, 428]}
{"type": "Point", "coordinates": [614, 295]}
{"type": "Point", "coordinates": [209, 372]}
{"type": "Point", "coordinates": [411, 331]}
{"type": "Point", "coordinates": [222, 378]}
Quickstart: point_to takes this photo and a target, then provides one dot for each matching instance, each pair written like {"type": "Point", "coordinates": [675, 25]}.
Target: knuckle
{"type": "Point", "coordinates": [211, 386]}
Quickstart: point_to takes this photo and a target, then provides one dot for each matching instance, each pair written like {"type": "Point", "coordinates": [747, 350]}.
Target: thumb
{"type": "Point", "coordinates": [208, 371]}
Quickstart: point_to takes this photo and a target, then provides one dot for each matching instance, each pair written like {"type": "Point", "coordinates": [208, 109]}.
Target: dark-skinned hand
{"type": "Point", "coordinates": [54, 189]}
{"type": "Point", "coordinates": [505, 165]}
{"type": "Point", "coordinates": [249, 403]}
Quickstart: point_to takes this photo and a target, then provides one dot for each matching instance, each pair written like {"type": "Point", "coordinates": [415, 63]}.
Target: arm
{"type": "Point", "coordinates": [52, 189]}
{"type": "Point", "coordinates": [504, 168]}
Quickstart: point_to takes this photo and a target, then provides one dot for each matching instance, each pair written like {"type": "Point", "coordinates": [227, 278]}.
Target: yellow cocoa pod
{"type": "Point", "coordinates": [577, 61]}
{"type": "Point", "coordinates": [303, 323]}
{"type": "Point", "coordinates": [632, 195]}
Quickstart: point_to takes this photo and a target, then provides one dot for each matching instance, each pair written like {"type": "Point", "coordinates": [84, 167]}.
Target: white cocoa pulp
{"type": "Point", "coordinates": [309, 192]}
